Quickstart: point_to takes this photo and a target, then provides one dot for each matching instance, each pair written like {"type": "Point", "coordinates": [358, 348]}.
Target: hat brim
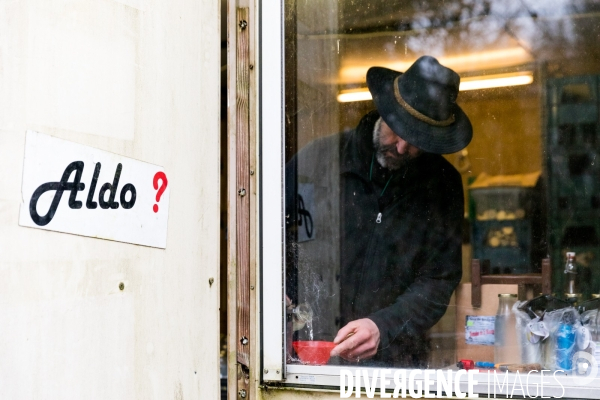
{"type": "Point", "coordinates": [430, 138]}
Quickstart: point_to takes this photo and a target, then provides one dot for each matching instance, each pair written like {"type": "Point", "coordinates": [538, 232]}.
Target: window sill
{"type": "Point", "coordinates": [328, 378]}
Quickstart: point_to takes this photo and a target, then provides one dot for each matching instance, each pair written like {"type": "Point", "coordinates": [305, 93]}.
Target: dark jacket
{"type": "Point", "coordinates": [400, 272]}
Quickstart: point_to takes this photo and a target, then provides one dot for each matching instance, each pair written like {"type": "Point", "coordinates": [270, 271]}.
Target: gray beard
{"type": "Point", "coordinates": [387, 156]}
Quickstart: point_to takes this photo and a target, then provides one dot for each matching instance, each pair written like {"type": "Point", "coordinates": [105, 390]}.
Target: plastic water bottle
{"type": "Point", "coordinates": [565, 342]}
{"type": "Point", "coordinates": [506, 344]}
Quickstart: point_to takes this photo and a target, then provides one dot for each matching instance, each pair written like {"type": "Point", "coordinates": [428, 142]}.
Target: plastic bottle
{"type": "Point", "coordinates": [571, 284]}
{"type": "Point", "coordinates": [506, 345]}
{"type": "Point", "coordinates": [565, 342]}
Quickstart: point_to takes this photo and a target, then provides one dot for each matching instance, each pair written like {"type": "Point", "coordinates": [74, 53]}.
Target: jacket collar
{"type": "Point", "coordinates": [357, 151]}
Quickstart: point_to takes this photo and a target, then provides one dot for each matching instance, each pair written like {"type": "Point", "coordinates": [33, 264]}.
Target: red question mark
{"type": "Point", "coordinates": [159, 176]}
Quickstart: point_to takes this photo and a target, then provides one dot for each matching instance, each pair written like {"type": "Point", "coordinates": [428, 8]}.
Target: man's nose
{"type": "Point", "coordinates": [402, 146]}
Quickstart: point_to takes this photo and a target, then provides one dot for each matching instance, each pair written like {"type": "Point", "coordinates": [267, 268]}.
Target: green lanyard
{"type": "Point", "coordinates": [371, 176]}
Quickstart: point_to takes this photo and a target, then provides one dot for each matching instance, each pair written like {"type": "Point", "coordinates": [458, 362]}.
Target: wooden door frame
{"type": "Point", "coordinates": [241, 200]}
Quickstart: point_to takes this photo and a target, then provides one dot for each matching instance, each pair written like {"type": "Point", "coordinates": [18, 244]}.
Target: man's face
{"type": "Point", "coordinates": [392, 151]}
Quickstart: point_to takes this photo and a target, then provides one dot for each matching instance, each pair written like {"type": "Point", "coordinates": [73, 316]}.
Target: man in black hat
{"type": "Point", "coordinates": [400, 207]}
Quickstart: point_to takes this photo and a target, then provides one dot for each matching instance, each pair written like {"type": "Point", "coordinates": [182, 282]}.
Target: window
{"type": "Point", "coordinates": [473, 138]}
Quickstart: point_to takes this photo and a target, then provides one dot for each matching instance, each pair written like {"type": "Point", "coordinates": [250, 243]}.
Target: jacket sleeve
{"type": "Point", "coordinates": [438, 268]}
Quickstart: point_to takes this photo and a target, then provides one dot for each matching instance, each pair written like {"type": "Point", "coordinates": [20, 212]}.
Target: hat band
{"type": "Point", "coordinates": [417, 114]}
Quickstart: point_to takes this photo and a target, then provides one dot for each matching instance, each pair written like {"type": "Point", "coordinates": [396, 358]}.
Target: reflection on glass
{"type": "Point", "coordinates": [386, 207]}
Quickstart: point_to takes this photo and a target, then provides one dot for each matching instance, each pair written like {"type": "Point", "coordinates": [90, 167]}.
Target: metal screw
{"type": "Point", "coordinates": [211, 281]}
{"type": "Point", "coordinates": [277, 372]}
{"type": "Point", "coordinates": [251, 66]}
{"type": "Point", "coordinates": [251, 287]}
{"type": "Point", "coordinates": [121, 286]}
{"type": "Point", "coordinates": [243, 24]}
{"type": "Point", "coordinates": [244, 340]}
{"type": "Point", "coordinates": [242, 393]}
{"type": "Point", "coordinates": [242, 192]}
{"type": "Point", "coordinates": [251, 172]}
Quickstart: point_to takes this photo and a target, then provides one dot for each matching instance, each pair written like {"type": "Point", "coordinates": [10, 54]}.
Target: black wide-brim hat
{"type": "Point", "coordinates": [420, 105]}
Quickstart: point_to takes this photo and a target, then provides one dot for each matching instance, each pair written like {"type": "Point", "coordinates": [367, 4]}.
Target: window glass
{"type": "Point", "coordinates": [423, 135]}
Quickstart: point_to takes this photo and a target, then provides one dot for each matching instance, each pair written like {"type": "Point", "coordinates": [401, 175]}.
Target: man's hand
{"type": "Point", "coordinates": [356, 341]}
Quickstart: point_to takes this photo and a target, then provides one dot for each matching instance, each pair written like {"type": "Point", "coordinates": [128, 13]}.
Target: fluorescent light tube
{"type": "Point", "coordinates": [469, 83]}
{"type": "Point", "coordinates": [491, 59]}
{"type": "Point", "coordinates": [493, 81]}
{"type": "Point", "coordinates": [347, 96]}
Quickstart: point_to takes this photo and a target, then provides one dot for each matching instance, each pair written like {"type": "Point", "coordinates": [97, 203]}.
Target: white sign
{"type": "Point", "coordinates": [480, 330]}
{"type": "Point", "coordinates": [68, 187]}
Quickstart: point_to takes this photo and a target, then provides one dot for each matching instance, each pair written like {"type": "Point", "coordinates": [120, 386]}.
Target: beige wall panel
{"type": "Point", "coordinates": [81, 66]}
{"type": "Point", "coordinates": [140, 79]}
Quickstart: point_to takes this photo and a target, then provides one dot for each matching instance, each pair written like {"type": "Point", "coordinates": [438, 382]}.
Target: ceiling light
{"type": "Point", "coordinates": [483, 60]}
{"type": "Point", "coordinates": [493, 81]}
{"type": "Point", "coordinates": [468, 83]}
{"type": "Point", "coordinates": [347, 96]}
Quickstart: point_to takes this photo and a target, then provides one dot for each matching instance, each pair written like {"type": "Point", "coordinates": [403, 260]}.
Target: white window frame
{"type": "Point", "coordinates": [271, 155]}
{"type": "Point", "coordinates": [272, 243]}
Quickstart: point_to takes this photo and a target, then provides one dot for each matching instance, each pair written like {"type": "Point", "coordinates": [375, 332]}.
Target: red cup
{"type": "Point", "coordinates": [314, 352]}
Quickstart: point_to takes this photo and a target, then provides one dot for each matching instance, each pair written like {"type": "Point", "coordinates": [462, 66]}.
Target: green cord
{"type": "Point", "coordinates": [371, 176]}
{"type": "Point", "coordinates": [386, 185]}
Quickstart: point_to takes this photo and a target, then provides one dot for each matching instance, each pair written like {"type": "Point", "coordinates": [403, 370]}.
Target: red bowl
{"type": "Point", "coordinates": [313, 352]}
